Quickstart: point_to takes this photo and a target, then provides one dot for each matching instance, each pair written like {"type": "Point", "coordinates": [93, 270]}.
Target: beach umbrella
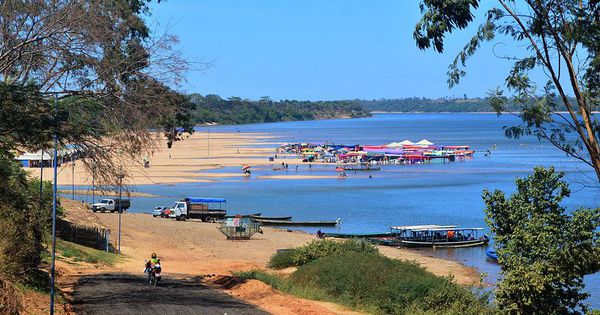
{"type": "Point", "coordinates": [245, 167]}
{"type": "Point", "coordinates": [406, 142]}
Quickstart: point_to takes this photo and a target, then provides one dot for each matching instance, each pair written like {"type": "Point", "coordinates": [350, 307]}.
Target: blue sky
{"type": "Point", "coordinates": [318, 50]}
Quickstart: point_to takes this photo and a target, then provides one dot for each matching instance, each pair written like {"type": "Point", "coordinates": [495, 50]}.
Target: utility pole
{"type": "Point", "coordinates": [54, 191]}
{"type": "Point", "coordinates": [93, 183]}
{"type": "Point", "coordinates": [120, 175]}
{"type": "Point", "coordinates": [41, 179]}
{"type": "Point", "coordinates": [72, 177]}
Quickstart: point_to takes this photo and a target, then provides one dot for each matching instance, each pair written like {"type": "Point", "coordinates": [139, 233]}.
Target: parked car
{"type": "Point", "coordinates": [111, 205]}
{"type": "Point", "coordinates": [161, 211]}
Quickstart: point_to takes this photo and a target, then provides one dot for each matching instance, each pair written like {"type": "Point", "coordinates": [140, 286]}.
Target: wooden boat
{"type": "Point", "coordinates": [244, 215]}
{"type": "Point", "coordinates": [364, 235]}
{"type": "Point", "coordinates": [359, 167]}
{"type": "Point", "coordinates": [258, 216]}
{"type": "Point", "coordinates": [439, 236]}
{"type": "Point", "coordinates": [297, 223]}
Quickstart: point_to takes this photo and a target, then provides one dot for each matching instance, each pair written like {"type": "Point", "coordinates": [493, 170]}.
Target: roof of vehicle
{"type": "Point", "coordinates": [204, 200]}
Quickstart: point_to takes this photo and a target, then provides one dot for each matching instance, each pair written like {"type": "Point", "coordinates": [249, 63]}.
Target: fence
{"type": "Point", "coordinates": [95, 237]}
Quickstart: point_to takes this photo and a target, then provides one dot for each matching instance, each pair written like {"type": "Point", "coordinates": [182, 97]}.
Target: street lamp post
{"type": "Point", "coordinates": [73, 177]}
{"type": "Point", "coordinates": [93, 184]}
{"type": "Point", "coordinates": [54, 191]}
{"type": "Point", "coordinates": [120, 176]}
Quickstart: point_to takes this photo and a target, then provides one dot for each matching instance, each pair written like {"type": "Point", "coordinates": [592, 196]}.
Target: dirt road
{"type": "Point", "coordinates": [129, 294]}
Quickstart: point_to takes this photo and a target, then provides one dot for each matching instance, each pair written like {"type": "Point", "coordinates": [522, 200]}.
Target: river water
{"type": "Point", "coordinates": [437, 193]}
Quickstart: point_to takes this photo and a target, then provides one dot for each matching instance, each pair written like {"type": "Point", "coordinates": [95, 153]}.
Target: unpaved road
{"type": "Point", "coordinates": [130, 294]}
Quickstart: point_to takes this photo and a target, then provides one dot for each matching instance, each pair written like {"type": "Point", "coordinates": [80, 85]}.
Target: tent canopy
{"type": "Point", "coordinates": [425, 142]}
{"type": "Point", "coordinates": [406, 142]}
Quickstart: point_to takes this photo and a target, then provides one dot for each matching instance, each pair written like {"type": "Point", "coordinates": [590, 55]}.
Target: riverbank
{"type": "Point", "coordinates": [199, 249]}
{"type": "Point", "coordinates": [185, 161]}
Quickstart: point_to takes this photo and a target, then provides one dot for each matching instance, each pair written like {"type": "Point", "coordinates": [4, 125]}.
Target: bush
{"type": "Point", "coordinates": [387, 286]}
{"type": "Point", "coordinates": [318, 249]}
{"type": "Point", "coordinates": [282, 259]}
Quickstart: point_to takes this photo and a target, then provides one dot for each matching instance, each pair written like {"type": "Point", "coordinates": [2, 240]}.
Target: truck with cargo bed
{"type": "Point", "coordinates": [111, 204]}
{"type": "Point", "coordinates": [205, 209]}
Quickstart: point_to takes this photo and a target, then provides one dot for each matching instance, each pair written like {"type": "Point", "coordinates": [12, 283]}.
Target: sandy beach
{"type": "Point", "coordinates": [186, 160]}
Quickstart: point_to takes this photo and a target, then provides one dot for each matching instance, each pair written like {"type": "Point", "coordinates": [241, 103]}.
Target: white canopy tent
{"type": "Point", "coordinates": [406, 142]}
{"type": "Point", "coordinates": [424, 142]}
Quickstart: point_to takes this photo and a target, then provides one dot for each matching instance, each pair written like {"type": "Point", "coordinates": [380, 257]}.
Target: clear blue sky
{"type": "Point", "coordinates": [318, 50]}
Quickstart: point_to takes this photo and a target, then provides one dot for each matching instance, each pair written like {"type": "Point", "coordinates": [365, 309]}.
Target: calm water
{"type": "Point", "coordinates": [440, 193]}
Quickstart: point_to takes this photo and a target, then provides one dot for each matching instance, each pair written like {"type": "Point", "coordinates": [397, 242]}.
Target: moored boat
{"type": "Point", "coordinates": [439, 236]}
{"type": "Point", "coordinates": [243, 215]}
{"type": "Point", "coordinates": [363, 235]}
{"type": "Point", "coordinates": [260, 217]}
{"type": "Point", "coordinates": [491, 254]}
{"type": "Point", "coordinates": [297, 223]}
{"type": "Point", "coordinates": [358, 167]}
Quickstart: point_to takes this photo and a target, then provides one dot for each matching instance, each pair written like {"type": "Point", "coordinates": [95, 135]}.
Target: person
{"type": "Point", "coordinates": [148, 270]}
{"type": "Point", "coordinates": [320, 234]}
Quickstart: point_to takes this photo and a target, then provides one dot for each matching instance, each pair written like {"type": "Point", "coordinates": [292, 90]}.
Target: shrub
{"type": "Point", "coordinates": [282, 259]}
{"type": "Point", "coordinates": [319, 249]}
{"type": "Point", "coordinates": [387, 286]}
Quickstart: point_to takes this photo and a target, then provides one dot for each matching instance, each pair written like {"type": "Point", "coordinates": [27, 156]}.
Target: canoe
{"type": "Point", "coordinates": [244, 215]}
{"type": "Point", "coordinates": [260, 217]}
{"type": "Point", "coordinates": [364, 235]}
{"type": "Point", "coordinates": [297, 223]}
{"type": "Point", "coordinates": [491, 253]}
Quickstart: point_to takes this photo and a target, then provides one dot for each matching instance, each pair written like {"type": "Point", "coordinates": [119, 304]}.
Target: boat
{"type": "Point", "coordinates": [364, 235]}
{"type": "Point", "coordinates": [357, 167]}
{"type": "Point", "coordinates": [244, 215]}
{"type": "Point", "coordinates": [439, 236]}
{"type": "Point", "coordinates": [258, 216]}
{"type": "Point", "coordinates": [297, 223]}
{"type": "Point", "coordinates": [491, 254]}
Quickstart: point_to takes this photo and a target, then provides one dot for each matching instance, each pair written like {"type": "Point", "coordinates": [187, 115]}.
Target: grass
{"type": "Point", "coordinates": [360, 278]}
{"type": "Point", "coordinates": [79, 253]}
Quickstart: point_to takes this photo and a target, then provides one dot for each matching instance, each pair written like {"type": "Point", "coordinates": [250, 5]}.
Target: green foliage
{"type": "Point", "coordinates": [377, 284]}
{"type": "Point", "coordinates": [23, 223]}
{"type": "Point", "coordinates": [545, 251]}
{"type": "Point", "coordinates": [282, 259]}
{"type": "Point", "coordinates": [213, 109]}
{"type": "Point", "coordinates": [318, 249]}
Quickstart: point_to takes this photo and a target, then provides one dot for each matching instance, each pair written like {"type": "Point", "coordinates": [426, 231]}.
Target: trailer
{"type": "Point", "coordinates": [205, 209]}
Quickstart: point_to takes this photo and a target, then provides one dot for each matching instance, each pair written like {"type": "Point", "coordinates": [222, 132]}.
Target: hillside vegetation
{"type": "Point", "coordinates": [233, 111]}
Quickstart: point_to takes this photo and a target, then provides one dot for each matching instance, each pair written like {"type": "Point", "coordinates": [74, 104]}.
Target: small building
{"type": "Point", "coordinates": [34, 159]}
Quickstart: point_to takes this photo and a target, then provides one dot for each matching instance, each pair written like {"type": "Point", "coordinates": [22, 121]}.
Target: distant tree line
{"type": "Point", "coordinates": [234, 110]}
{"type": "Point", "coordinates": [423, 104]}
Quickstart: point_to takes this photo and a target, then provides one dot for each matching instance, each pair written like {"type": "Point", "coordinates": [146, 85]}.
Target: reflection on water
{"type": "Point", "coordinates": [438, 193]}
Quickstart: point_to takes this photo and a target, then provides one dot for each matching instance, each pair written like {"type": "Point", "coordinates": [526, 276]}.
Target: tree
{"type": "Point", "coordinates": [544, 250]}
{"type": "Point", "coordinates": [559, 38]}
{"type": "Point", "coordinates": [112, 79]}
{"type": "Point", "coordinates": [110, 72]}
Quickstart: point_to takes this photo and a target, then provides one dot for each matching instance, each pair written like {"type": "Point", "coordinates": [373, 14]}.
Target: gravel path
{"type": "Point", "coordinates": [130, 294]}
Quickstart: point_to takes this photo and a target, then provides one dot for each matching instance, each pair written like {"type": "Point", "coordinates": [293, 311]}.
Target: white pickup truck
{"type": "Point", "coordinates": [111, 205]}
